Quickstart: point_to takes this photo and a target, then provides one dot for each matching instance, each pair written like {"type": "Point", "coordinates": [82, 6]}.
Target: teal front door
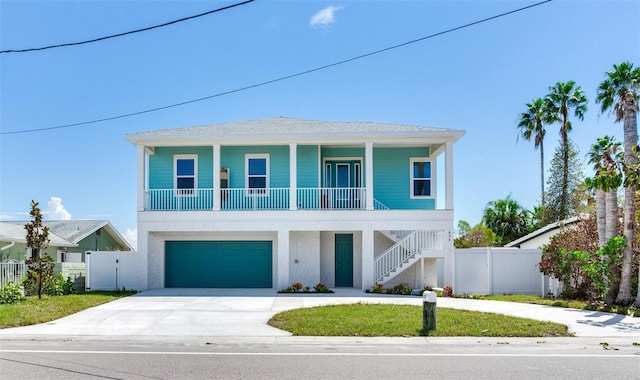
{"type": "Point", "coordinates": [344, 260]}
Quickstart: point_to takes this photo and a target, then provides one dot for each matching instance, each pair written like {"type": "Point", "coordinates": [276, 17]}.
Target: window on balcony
{"type": "Point", "coordinates": [421, 178]}
{"type": "Point", "coordinates": [257, 169]}
{"type": "Point", "coordinates": [185, 180]}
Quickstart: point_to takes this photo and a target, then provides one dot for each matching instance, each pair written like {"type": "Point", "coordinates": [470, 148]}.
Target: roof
{"type": "Point", "coordinates": [295, 130]}
{"type": "Point", "coordinates": [63, 233]}
{"type": "Point", "coordinates": [15, 232]}
{"type": "Point", "coordinates": [546, 229]}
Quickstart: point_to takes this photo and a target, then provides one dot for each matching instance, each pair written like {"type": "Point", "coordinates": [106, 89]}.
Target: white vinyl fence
{"type": "Point", "coordinates": [111, 270]}
{"type": "Point", "coordinates": [12, 271]}
{"type": "Point", "coordinates": [497, 271]}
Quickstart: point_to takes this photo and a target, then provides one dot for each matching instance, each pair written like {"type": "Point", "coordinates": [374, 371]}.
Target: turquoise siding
{"type": "Point", "coordinates": [392, 185]}
{"type": "Point", "coordinates": [391, 175]}
{"type": "Point", "coordinates": [232, 157]}
{"type": "Point", "coordinates": [161, 166]}
{"type": "Point", "coordinates": [308, 166]}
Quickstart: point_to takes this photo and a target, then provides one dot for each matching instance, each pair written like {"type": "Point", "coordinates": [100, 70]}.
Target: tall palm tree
{"type": "Point", "coordinates": [531, 124]}
{"type": "Point", "coordinates": [606, 157]}
{"type": "Point", "coordinates": [620, 91]}
{"type": "Point", "coordinates": [562, 98]}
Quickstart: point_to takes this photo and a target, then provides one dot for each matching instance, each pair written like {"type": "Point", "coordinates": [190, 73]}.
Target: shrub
{"type": "Point", "coordinates": [58, 286]}
{"type": "Point", "coordinates": [321, 288]}
{"type": "Point", "coordinates": [297, 286]}
{"type": "Point", "coordinates": [401, 289]}
{"type": "Point", "coordinates": [377, 288]}
{"type": "Point", "coordinates": [11, 293]}
{"type": "Point", "coordinates": [447, 291]}
{"type": "Point", "coordinates": [306, 289]}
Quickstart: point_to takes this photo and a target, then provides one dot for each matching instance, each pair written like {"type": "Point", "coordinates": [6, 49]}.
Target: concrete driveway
{"type": "Point", "coordinates": [184, 313]}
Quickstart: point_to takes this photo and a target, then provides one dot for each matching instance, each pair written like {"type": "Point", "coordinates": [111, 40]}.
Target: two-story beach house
{"type": "Point", "coordinates": [265, 203]}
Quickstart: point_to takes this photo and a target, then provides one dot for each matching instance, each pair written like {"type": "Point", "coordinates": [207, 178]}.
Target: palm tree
{"type": "Point", "coordinates": [507, 219]}
{"type": "Point", "coordinates": [606, 158]}
{"type": "Point", "coordinates": [620, 90]}
{"type": "Point", "coordinates": [563, 97]}
{"type": "Point", "coordinates": [531, 124]}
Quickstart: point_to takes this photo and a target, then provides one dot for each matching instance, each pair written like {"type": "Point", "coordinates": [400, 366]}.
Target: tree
{"type": "Point", "coordinates": [606, 158]}
{"type": "Point", "coordinates": [620, 91]}
{"type": "Point", "coordinates": [507, 219]}
{"type": "Point", "coordinates": [531, 124]}
{"type": "Point", "coordinates": [564, 200]}
{"type": "Point", "coordinates": [476, 236]}
{"type": "Point", "coordinates": [562, 98]}
{"type": "Point", "coordinates": [40, 264]}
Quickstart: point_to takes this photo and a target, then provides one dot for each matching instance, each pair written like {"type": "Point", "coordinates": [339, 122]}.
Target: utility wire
{"type": "Point", "coordinates": [280, 78]}
{"type": "Point", "coordinates": [125, 33]}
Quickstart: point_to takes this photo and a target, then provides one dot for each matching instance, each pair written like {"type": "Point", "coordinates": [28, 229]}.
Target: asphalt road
{"type": "Point", "coordinates": [323, 358]}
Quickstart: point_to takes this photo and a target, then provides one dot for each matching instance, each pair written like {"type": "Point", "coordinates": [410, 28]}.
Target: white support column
{"type": "Point", "coordinates": [293, 176]}
{"type": "Point", "coordinates": [367, 260]}
{"type": "Point", "coordinates": [141, 177]}
{"type": "Point", "coordinates": [216, 177]}
{"type": "Point", "coordinates": [448, 163]}
{"type": "Point", "coordinates": [449, 261]}
{"type": "Point", "coordinates": [368, 175]}
{"type": "Point", "coordinates": [283, 260]}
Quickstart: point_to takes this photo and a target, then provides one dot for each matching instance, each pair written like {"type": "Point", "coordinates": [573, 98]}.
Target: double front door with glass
{"type": "Point", "coordinates": [343, 184]}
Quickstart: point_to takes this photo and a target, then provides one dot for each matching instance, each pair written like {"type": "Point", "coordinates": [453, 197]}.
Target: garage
{"type": "Point", "coordinates": [218, 264]}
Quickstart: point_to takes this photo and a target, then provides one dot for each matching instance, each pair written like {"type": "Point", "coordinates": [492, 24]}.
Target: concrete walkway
{"type": "Point", "coordinates": [184, 313]}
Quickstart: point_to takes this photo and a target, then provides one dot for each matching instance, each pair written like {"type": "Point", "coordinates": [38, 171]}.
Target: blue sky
{"type": "Point", "coordinates": [478, 79]}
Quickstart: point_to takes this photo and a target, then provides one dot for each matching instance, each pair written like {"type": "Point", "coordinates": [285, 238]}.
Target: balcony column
{"type": "Point", "coordinates": [283, 259]}
{"type": "Point", "coordinates": [368, 175]}
{"type": "Point", "coordinates": [142, 173]}
{"type": "Point", "coordinates": [448, 163]}
{"type": "Point", "coordinates": [293, 176]}
{"type": "Point", "coordinates": [368, 279]}
{"type": "Point", "coordinates": [216, 177]}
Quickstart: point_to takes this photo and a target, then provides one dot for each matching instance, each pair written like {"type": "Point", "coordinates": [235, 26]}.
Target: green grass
{"type": "Point", "coordinates": [33, 311]}
{"type": "Point", "coordinates": [575, 304]}
{"type": "Point", "coordinates": [406, 320]}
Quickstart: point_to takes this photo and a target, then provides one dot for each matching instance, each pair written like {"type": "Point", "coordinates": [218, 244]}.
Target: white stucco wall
{"type": "Point", "coordinates": [304, 257]}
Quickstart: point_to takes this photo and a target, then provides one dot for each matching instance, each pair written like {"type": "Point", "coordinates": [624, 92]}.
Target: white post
{"type": "Point", "coordinates": [368, 175]}
{"type": "Point", "coordinates": [367, 259]}
{"type": "Point", "coordinates": [283, 259]}
{"type": "Point", "coordinates": [423, 282]}
{"type": "Point", "coordinates": [448, 162]}
{"type": "Point", "coordinates": [141, 177]}
{"type": "Point", "coordinates": [293, 176]}
{"type": "Point", "coordinates": [216, 177]}
{"type": "Point", "coordinates": [489, 270]}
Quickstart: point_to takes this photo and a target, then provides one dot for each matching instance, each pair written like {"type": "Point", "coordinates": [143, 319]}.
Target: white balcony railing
{"type": "Point", "coordinates": [329, 198]}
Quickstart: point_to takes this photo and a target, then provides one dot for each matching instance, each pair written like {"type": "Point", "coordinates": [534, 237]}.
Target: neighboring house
{"type": "Point", "coordinates": [264, 203]}
{"type": "Point", "coordinates": [69, 239]}
{"type": "Point", "coordinates": [542, 236]}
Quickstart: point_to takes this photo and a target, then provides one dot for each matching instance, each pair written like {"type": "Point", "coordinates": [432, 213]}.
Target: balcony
{"type": "Point", "coordinates": [333, 198]}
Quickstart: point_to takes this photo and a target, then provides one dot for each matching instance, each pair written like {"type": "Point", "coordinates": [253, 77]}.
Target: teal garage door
{"type": "Point", "coordinates": [218, 264]}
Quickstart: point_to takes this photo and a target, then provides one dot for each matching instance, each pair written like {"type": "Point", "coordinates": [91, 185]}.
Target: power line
{"type": "Point", "coordinates": [280, 78]}
{"type": "Point", "coordinates": [126, 33]}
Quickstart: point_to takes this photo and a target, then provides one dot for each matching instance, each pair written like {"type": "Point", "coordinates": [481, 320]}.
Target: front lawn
{"type": "Point", "coordinates": [33, 311]}
{"type": "Point", "coordinates": [575, 304]}
{"type": "Point", "coordinates": [406, 320]}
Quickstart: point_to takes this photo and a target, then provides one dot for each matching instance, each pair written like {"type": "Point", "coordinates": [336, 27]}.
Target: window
{"type": "Point", "coordinates": [186, 174]}
{"type": "Point", "coordinates": [257, 169]}
{"type": "Point", "coordinates": [421, 178]}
